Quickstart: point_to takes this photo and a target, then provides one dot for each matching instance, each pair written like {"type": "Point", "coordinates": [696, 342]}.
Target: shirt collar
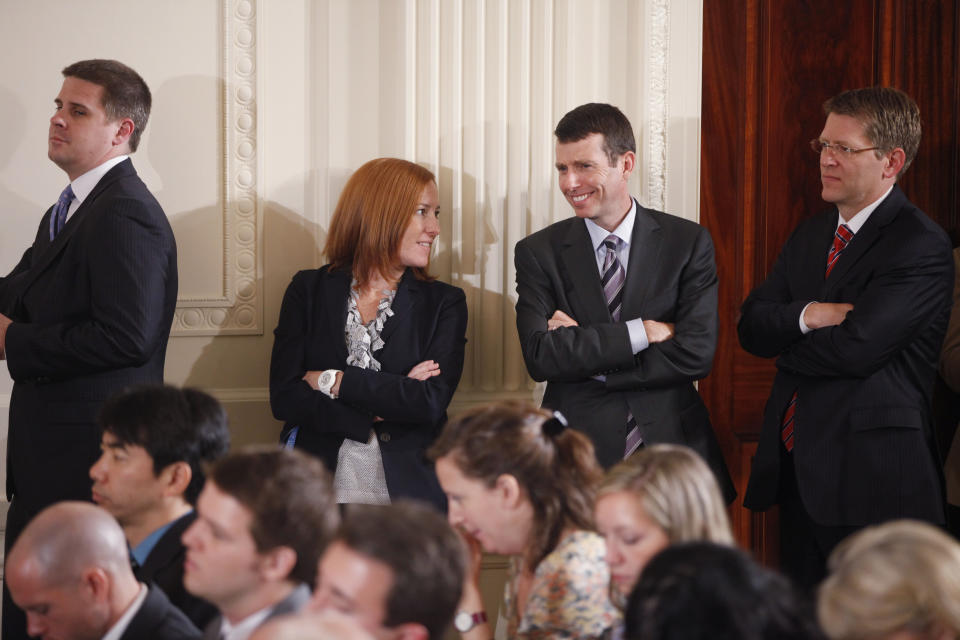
{"type": "Point", "coordinates": [84, 184]}
{"type": "Point", "coordinates": [245, 628]}
{"type": "Point", "coordinates": [142, 550]}
{"type": "Point", "coordinates": [624, 230]}
{"type": "Point", "coordinates": [120, 626]}
{"type": "Point", "coordinates": [861, 216]}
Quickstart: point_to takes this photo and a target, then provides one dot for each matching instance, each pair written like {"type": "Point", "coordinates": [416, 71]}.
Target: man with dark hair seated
{"type": "Point", "coordinates": [69, 572]}
{"type": "Point", "coordinates": [263, 519]}
{"type": "Point", "coordinates": [706, 591]}
{"type": "Point", "coordinates": [155, 442]}
{"type": "Point", "coordinates": [393, 571]}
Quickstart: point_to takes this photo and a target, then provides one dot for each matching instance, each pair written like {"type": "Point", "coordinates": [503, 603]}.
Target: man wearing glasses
{"type": "Point", "coordinates": [854, 310]}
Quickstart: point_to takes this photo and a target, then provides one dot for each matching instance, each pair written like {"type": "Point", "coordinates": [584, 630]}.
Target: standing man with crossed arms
{"type": "Point", "coordinates": [854, 310]}
{"type": "Point", "coordinates": [617, 306]}
{"type": "Point", "coordinates": [87, 310]}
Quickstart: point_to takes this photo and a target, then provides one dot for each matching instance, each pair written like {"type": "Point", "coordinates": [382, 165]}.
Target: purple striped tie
{"type": "Point", "coordinates": [612, 282]}
{"type": "Point", "coordinates": [58, 217]}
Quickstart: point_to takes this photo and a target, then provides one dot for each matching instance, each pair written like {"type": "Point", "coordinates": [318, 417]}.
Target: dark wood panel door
{"type": "Point", "coordinates": [768, 66]}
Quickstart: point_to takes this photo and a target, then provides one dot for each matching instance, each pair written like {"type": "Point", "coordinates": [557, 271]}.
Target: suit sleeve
{"type": "Point", "coordinates": [566, 354]}
{"type": "Point", "coordinates": [395, 397]}
{"type": "Point", "coordinates": [950, 353]}
{"type": "Point", "coordinates": [128, 264]}
{"type": "Point", "coordinates": [8, 288]}
{"type": "Point", "coordinates": [688, 356]}
{"type": "Point", "coordinates": [904, 296]}
{"type": "Point", "coordinates": [770, 317]}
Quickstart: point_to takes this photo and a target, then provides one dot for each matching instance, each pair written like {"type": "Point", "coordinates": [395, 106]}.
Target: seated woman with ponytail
{"type": "Point", "coordinates": [520, 483]}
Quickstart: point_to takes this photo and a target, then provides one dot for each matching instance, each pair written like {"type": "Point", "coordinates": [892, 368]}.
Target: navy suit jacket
{"type": "Point", "coordinates": [91, 315]}
{"type": "Point", "coordinates": [863, 448]}
{"type": "Point", "coordinates": [429, 323]}
{"type": "Point", "coordinates": [671, 277]}
{"type": "Point", "coordinates": [158, 619]}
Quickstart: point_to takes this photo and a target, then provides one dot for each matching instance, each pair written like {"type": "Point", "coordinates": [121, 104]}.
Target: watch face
{"type": "Point", "coordinates": [463, 622]}
{"type": "Point", "coordinates": [325, 379]}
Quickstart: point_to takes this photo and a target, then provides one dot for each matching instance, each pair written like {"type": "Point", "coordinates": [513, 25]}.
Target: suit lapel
{"type": "Point", "coordinates": [404, 308]}
{"type": "Point", "coordinates": [582, 281]}
{"type": "Point", "coordinates": [645, 244]}
{"type": "Point", "coordinates": [866, 237]}
{"type": "Point", "coordinates": [79, 217]}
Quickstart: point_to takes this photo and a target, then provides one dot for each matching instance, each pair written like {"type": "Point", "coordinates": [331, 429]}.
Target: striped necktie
{"type": "Point", "coordinates": [612, 281]}
{"type": "Point", "coordinates": [58, 217]}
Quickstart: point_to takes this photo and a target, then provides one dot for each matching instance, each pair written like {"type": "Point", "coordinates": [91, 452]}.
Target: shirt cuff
{"type": "Point", "coordinates": [803, 326]}
{"type": "Point", "coordinates": [638, 335]}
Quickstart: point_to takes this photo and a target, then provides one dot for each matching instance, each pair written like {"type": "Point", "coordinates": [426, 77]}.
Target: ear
{"type": "Point", "coordinates": [124, 130]}
{"type": "Point", "coordinates": [96, 583]}
{"type": "Point", "coordinates": [894, 163]}
{"type": "Point", "coordinates": [629, 163]}
{"type": "Point", "coordinates": [276, 564]}
{"type": "Point", "coordinates": [508, 489]}
{"type": "Point", "coordinates": [176, 478]}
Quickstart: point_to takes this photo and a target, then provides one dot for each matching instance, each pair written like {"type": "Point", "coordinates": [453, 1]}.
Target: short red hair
{"type": "Point", "coordinates": [372, 214]}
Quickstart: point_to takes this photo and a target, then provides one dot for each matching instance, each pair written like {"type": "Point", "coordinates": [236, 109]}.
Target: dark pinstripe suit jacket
{"type": "Point", "coordinates": [91, 315]}
{"type": "Point", "coordinates": [863, 448]}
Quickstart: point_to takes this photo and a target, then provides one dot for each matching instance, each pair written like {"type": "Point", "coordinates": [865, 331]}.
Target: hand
{"type": "Point", "coordinates": [471, 600]}
{"type": "Point", "coordinates": [4, 323]}
{"type": "Point", "coordinates": [560, 319]}
{"type": "Point", "coordinates": [424, 370]}
{"type": "Point", "coordinates": [658, 331]}
{"type": "Point", "coordinates": [826, 314]}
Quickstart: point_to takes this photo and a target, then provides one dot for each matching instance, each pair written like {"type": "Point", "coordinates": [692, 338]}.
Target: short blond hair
{"type": "Point", "coordinates": [898, 576]}
{"type": "Point", "coordinates": [677, 491]}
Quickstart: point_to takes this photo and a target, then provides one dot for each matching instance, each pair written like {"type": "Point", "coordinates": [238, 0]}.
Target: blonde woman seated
{"type": "Point", "coordinates": [661, 495]}
{"type": "Point", "coordinates": [895, 581]}
{"type": "Point", "coordinates": [520, 483]}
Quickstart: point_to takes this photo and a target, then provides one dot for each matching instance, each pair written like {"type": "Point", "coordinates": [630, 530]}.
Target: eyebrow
{"type": "Point", "coordinates": [59, 103]}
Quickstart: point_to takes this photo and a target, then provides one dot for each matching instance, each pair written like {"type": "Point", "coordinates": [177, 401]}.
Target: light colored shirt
{"type": "Point", "coordinates": [83, 185]}
{"type": "Point", "coordinates": [142, 551]}
{"type": "Point", "coordinates": [624, 231]}
{"type": "Point", "coordinates": [854, 224]}
{"type": "Point", "coordinates": [245, 628]}
{"type": "Point", "coordinates": [120, 626]}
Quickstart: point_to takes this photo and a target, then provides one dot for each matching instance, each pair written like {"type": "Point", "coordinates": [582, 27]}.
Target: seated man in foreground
{"type": "Point", "coordinates": [263, 519]}
{"type": "Point", "coordinates": [70, 572]}
{"type": "Point", "coordinates": [155, 442]}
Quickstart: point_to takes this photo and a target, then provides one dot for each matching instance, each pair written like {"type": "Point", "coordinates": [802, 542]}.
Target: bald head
{"type": "Point", "coordinates": [69, 571]}
{"type": "Point", "coordinates": [68, 537]}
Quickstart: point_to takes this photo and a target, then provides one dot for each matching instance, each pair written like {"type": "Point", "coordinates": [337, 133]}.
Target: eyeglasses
{"type": "Point", "coordinates": [819, 146]}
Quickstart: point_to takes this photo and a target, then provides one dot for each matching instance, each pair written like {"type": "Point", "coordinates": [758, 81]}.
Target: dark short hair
{"type": "Point", "coordinates": [125, 94]}
{"type": "Point", "coordinates": [890, 118]}
{"type": "Point", "coordinates": [605, 119]}
{"type": "Point", "coordinates": [425, 554]}
{"type": "Point", "coordinates": [172, 425]}
{"type": "Point", "coordinates": [706, 591]}
{"type": "Point", "coordinates": [557, 469]}
{"type": "Point", "coordinates": [290, 498]}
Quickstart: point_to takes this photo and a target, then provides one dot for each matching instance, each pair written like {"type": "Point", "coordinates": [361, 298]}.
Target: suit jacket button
{"type": "Point", "coordinates": [384, 437]}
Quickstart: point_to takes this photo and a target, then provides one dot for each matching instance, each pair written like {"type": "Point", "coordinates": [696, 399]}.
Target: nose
{"type": "Point", "coordinates": [568, 181]}
{"type": "Point", "coordinates": [433, 226]}
{"type": "Point", "coordinates": [56, 120]}
{"type": "Point", "coordinates": [189, 537]}
{"type": "Point", "coordinates": [453, 515]}
{"type": "Point", "coordinates": [97, 470]}
{"type": "Point", "coordinates": [318, 602]}
{"type": "Point", "coordinates": [828, 157]}
{"type": "Point", "coordinates": [614, 557]}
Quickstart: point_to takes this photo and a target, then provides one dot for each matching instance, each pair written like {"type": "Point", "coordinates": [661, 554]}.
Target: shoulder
{"type": "Point", "coordinates": [674, 227]}
{"type": "Point", "coordinates": [548, 237]}
{"type": "Point", "coordinates": [440, 291]}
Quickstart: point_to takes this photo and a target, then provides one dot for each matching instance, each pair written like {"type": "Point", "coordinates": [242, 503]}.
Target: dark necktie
{"type": "Point", "coordinates": [841, 238]}
{"type": "Point", "coordinates": [612, 280]}
{"type": "Point", "coordinates": [59, 216]}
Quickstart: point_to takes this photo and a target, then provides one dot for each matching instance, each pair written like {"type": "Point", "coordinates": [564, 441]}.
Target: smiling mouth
{"type": "Point", "coordinates": [580, 198]}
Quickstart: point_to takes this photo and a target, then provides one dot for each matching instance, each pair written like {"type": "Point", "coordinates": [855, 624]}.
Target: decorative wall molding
{"type": "Point", "coordinates": [657, 50]}
{"type": "Point", "coordinates": [239, 308]}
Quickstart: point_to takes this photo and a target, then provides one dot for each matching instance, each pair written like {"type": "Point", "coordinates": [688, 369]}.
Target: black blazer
{"type": "Point", "coordinates": [91, 315]}
{"type": "Point", "coordinates": [164, 568]}
{"type": "Point", "coordinates": [863, 448]}
{"type": "Point", "coordinates": [429, 323]}
{"type": "Point", "coordinates": [291, 604]}
{"type": "Point", "coordinates": [158, 619]}
{"type": "Point", "coordinates": [671, 277]}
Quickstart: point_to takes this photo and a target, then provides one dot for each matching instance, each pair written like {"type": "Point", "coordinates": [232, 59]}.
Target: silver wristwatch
{"type": "Point", "coordinates": [326, 382]}
{"type": "Point", "coordinates": [465, 621]}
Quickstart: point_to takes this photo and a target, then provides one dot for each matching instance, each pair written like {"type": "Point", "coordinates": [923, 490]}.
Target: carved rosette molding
{"type": "Point", "coordinates": [239, 309]}
{"type": "Point", "coordinates": [657, 59]}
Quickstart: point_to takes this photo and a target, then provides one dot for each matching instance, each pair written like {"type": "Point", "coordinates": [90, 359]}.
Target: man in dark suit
{"type": "Point", "coordinates": [617, 307]}
{"type": "Point", "coordinates": [69, 571]}
{"type": "Point", "coordinates": [156, 440]}
{"type": "Point", "coordinates": [854, 310]}
{"type": "Point", "coordinates": [87, 310]}
{"type": "Point", "coordinates": [263, 519]}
